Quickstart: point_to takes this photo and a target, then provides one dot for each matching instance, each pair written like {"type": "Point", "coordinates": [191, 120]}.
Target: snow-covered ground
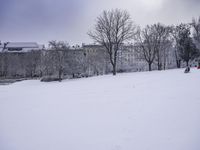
{"type": "Point", "coordinates": [134, 111]}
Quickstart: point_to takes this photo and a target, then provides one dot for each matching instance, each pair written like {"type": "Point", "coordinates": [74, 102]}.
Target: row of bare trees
{"type": "Point", "coordinates": [152, 43]}
{"type": "Point", "coordinates": [20, 65]}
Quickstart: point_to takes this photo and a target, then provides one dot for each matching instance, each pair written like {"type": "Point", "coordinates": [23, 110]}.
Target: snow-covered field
{"type": "Point", "coordinates": [134, 111]}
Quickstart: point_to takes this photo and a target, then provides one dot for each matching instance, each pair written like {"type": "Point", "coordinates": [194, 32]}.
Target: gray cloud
{"type": "Point", "coordinates": [69, 20]}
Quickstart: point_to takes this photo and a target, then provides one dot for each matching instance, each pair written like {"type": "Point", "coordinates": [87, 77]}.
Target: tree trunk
{"type": "Point", "coordinates": [178, 63]}
{"type": "Point", "coordinates": [159, 66]}
{"type": "Point", "coordinates": [150, 67]}
{"type": "Point", "coordinates": [165, 61]}
{"type": "Point", "coordinates": [187, 63]}
{"type": "Point", "coordinates": [114, 69]}
{"type": "Point", "coordinates": [115, 63]}
{"type": "Point", "coordinates": [60, 75]}
{"type": "Point", "coordinates": [164, 66]}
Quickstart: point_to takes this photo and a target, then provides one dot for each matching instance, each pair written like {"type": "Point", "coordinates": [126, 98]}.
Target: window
{"type": "Point", "coordinates": [14, 49]}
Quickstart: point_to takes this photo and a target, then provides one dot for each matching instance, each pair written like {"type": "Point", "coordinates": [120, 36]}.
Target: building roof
{"type": "Point", "coordinates": [22, 45]}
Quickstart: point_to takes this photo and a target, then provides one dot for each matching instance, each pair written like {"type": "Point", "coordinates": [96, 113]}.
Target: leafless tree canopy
{"type": "Point", "coordinates": [162, 41]}
{"type": "Point", "coordinates": [58, 56]}
{"type": "Point", "coordinates": [146, 44]}
{"type": "Point", "coordinates": [112, 29]}
{"type": "Point", "coordinates": [175, 37]}
{"type": "Point", "coordinates": [153, 42]}
{"type": "Point", "coordinates": [186, 47]}
{"type": "Point", "coordinates": [196, 33]}
{"type": "Point", "coordinates": [58, 45]}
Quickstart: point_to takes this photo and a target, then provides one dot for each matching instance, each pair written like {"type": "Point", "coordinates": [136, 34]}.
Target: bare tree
{"type": "Point", "coordinates": [186, 48]}
{"type": "Point", "coordinates": [58, 56]}
{"type": "Point", "coordinates": [175, 37]}
{"type": "Point", "coordinates": [112, 29]}
{"type": "Point", "coordinates": [196, 33]}
{"type": "Point", "coordinates": [161, 43]}
{"type": "Point", "coordinates": [96, 62]}
{"type": "Point", "coordinates": [4, 45]}
{"type": "Point", "coordinates": [146, 45]}
{"type": "Point", "coordinates": [33, 63]}
{"type": "Point", "coordinates": [4, 59]}
{"type": "Point", "coordinates": [58, 45]}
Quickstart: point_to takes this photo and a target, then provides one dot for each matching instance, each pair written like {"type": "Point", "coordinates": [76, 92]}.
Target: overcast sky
{"type": "Point", "coordinates": [70, 20]}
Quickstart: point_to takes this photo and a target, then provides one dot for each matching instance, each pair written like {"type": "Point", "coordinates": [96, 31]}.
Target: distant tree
{"type": "Point", "coordinates": [47, 64]}
{"type": "Point", "coordinates": [4, 60]}
{"type": "Point", "coordinates": [162, 43]}
{"type": "Point", "coordinates": [175, 30]}
{"type": "Point", "coordinates": [96, 62]}
{"type": "Point", "coordinates": [196, 32]}
{"type": "Point", "coordinates": [186, 48]}
{"type": "Point", "coordinates": [58, 45]}
{"type": "Point", "coordinates": [33, 63]}
{"type": "Point", "coordinates": [4, 45]}
{"type": "Point", "coordinates": [146, 45]}
{"type": "Point", "coordinates": [112, 29]}
{"type": "Point", "coordinates": [57, 55]}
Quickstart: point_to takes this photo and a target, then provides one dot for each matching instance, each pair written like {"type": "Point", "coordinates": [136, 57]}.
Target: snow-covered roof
{"type": "Point", "coordinates": [22, 45]}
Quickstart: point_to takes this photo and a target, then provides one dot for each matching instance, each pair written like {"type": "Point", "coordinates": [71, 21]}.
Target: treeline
{"type": "Point", "coordinates": [20, 65]}
{"type": "Point", "coordinates": [54, 64]}
{"type": "Point", "coordinates": [114, 28]}
{"type": "Point", "coordinates": [156, 46]}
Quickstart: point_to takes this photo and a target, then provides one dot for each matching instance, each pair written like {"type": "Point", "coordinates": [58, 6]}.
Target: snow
{"type": "Point", "coordinates": [157, 110]}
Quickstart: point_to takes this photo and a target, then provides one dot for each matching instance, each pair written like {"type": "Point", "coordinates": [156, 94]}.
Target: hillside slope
{"type": "Point", "coordinates": [134, 111]}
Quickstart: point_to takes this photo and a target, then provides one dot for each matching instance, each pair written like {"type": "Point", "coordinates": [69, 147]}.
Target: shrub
{"type": "Point", "coordinates": [50, 79]}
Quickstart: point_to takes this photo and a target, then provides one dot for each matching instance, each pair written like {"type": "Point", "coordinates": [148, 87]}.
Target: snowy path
{"type": "Point", "coordinates": [135, 111]}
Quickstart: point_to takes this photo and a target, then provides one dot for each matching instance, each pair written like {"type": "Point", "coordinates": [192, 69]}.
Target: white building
{"type": "Point", "coordinates": [20, 46]}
